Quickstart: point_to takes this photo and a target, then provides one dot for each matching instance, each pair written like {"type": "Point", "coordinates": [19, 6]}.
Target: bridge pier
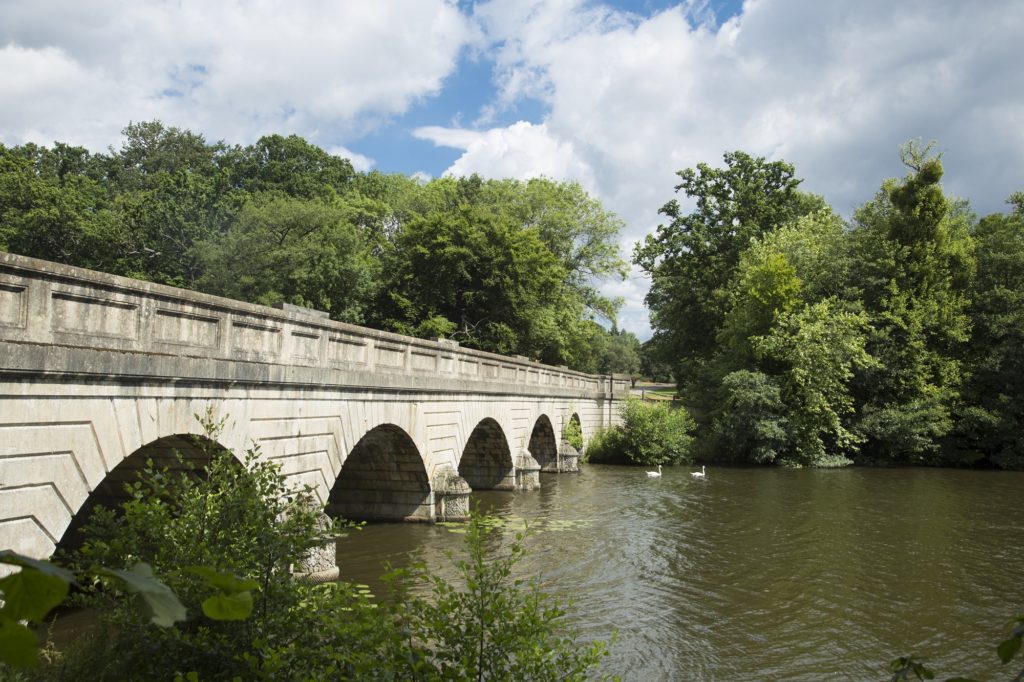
{"type": "Point", "coordinates": [451, 496]}
{"type": "Point", "coordinates": [568, 459]}
{"type": "Point", "coordinates": [527, 471]}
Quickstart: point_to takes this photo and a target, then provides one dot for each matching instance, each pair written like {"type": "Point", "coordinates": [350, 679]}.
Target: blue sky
{"type": "Point", "coordinates": [615, 95]}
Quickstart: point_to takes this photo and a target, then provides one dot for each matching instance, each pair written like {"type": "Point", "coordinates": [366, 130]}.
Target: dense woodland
{"type": "Point", "coordinates": [499, 265]}
{"type": "Point", "coordinates": [802, 338]}
{"type": "Point", "coordinates": [797, 336]}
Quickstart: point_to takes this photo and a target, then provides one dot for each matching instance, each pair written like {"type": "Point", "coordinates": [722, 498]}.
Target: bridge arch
{"type": "Point", "coordinates": [574, 423]}
{"type": "Point", "coordinates": [486, 461]}
{"type": "Point", "coordinates": [182, 453]}
{"type": "Point", "coordinates": [543, 444]}
{"type": "Point", "coordinates": [382, 479]}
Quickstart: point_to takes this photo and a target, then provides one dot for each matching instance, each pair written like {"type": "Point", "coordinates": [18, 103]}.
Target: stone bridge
{"type": "Point", "coordinates": [99, 373]}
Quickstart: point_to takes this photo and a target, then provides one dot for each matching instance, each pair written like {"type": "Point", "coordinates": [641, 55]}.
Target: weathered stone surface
{"type": "Point", "coordinates": [321, 565]}
{"type": "Point", "coordinates": [451, 496]}
{"type": "Point", "coordinates": [95, 369]}
{"type": "Point", "coordinates": [568, 459]}
{"type": "Point", "coordinates": [527, 471]}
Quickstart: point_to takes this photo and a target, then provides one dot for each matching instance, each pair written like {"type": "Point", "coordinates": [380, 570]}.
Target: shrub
{"type": "Point", "coordinates": [606, 447]}
{"type": "Point", "coordinates": [650, 433]}
{"type": "Point", "coordinates": [573, 434]}
{"type": "Point", "coordinates": [654, 433]}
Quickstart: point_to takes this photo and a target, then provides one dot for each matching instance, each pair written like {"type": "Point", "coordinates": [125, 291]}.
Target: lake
{"type": "Point", "coordinates": [761, 573]}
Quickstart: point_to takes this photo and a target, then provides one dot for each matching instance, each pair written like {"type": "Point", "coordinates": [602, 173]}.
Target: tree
{"type": "Point", "coordinates": [52, 206]}
{"type": "Point", "coordinates": [818, 348]}
{"type": "Point", "coordinates": [304, 252]}
{"type": "Point", "coordinates": [622, 353]}
{"type": "Point", "coordinates": [912, 258]}
{"type": "Point", "coordinates": [692, 259]}
{"type": "Point", "coordinates": [992, 422]}
{"type": "Point", "coordinates": [290, 166]}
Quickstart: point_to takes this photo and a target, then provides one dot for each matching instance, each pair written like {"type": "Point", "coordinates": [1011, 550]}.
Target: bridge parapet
{"type": "Point", "coordinates": [54, 305]}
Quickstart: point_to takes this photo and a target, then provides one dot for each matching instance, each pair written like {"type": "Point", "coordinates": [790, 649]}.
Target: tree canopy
{"type": "Point", "coordinates": [802, 338]}
{"type": "Point", "coordinates": [500, 265]}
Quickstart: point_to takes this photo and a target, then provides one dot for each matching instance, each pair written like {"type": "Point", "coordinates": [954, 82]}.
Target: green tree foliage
{"type": "Point", "coordinates": [53, 205]}
{"type": "Point", "coordinates": [572, 434]}
{"type": "Point", "coordinates": [621, 353]}
{"type": "Point", "coordinates": [500, 265]}
{"type": "Point", "coordinates": [503, 266]}
{"type": "Point", "coordinates": [914, 273]}
{"type": "Point", "coordinates": [800, 339]}
{"type": "Point", "coordinates": [693, 258]}
{"type": "Point", "coordinates": [992, 422]}
{"type": "Point", "coordinates": [304, 252]}
{"type": "Point", "coordinates": [817, 349]}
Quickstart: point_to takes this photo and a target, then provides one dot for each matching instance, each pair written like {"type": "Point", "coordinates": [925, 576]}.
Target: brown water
{"type": "Point", "coordinates": [763, 574]}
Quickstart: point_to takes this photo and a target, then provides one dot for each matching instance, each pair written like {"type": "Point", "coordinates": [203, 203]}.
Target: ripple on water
{"type": "Point", "coordinates": [764, 574]}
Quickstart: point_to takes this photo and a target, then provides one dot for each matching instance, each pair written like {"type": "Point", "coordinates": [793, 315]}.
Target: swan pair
{"type": "Point", "coordinates": [696, 474]}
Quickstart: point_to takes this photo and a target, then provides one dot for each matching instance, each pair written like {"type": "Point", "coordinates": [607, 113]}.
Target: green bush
{"type": "Point", "coordinates": [236, 517]}
{"type": "Point", "coordinates": [650, 434]}
{"type": "Point", "coordinates": [654, 433]}
{"type": "Point", "coordinates": [606, 447]}
{"type": "Point", "coordinates": [573, 434]}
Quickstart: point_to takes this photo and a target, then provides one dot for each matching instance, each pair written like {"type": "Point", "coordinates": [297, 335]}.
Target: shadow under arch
{"type": "Point", "coordinates": [543, 445]}
{"type": "Point", "coordinates": [181, 453]}
{"type": "Point", "coordinates": [382, 479]}
{"type": "Point", "coordinates": [486, 461]}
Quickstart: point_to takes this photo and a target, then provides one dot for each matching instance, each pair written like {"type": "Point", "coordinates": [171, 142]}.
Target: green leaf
{"type": "Point", "coordinates": [10, 557]}
{"type": "Point", "coordinates": [19, 646]}
{"type": "Point", "coordinates": [234, 606]}
{"type": "Point", "coordinates": [1008, 649]}
{"type": "Point", "coordinates": [223, 580]}
{"type": "Point", "coordinates": [156, 599]}
{"type": "Point", "coordinates": [29, 594]}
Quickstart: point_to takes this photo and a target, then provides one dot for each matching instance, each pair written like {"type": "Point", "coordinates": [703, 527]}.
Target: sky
{"type": "Point", "coordinates": [616, 95]}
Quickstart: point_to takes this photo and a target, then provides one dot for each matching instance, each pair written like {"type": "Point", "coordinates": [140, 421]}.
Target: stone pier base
{"type": "Point", "coordinates": [568, 459]}
{"type": "Point", "coordinates": [320, 566]}
{"type": "Point", "coordinates": [527, 472]}
{"type": "Point", "coordinates": [451, 496]}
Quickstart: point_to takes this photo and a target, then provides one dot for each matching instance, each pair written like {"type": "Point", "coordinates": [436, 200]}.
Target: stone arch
{"type": "Point", "coordinates": [543, 445]}
{"type": "Point", "coordinates": [486, 462]}
{"type": "Point", "coordinates": [383, 479]}
{"type": "Point", "coordinates": [180, 453]}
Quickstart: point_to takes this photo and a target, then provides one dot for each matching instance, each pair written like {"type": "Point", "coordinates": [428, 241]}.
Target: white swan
{"type": "Point", "coordinates": [698, 474]}
{"type": "Point", "coordinates": [655, 474]}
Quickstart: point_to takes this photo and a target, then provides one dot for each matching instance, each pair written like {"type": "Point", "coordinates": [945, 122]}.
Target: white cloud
{"type": "Point", "coordinates": [521, 150]}
{"type": "Point", "coordinates": [80, 71]}
{"type": "Point", "coordinates": [833, 87]}
{"type": "Point", "coordinates": [360, 162]}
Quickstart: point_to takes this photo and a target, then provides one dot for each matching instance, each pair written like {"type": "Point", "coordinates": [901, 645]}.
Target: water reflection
{"type": "Point", "coordinates": [758, 574]}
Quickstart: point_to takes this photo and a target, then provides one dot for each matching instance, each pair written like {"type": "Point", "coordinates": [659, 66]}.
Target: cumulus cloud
{"type": "Point", "coordinates": [834, 88]}
{"type": "Point", "coordinates": [521, 150]}
{"type": "Point", "coordinates": [360, 162]}
{"type": "Point", "coordinates": [80, 71]}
